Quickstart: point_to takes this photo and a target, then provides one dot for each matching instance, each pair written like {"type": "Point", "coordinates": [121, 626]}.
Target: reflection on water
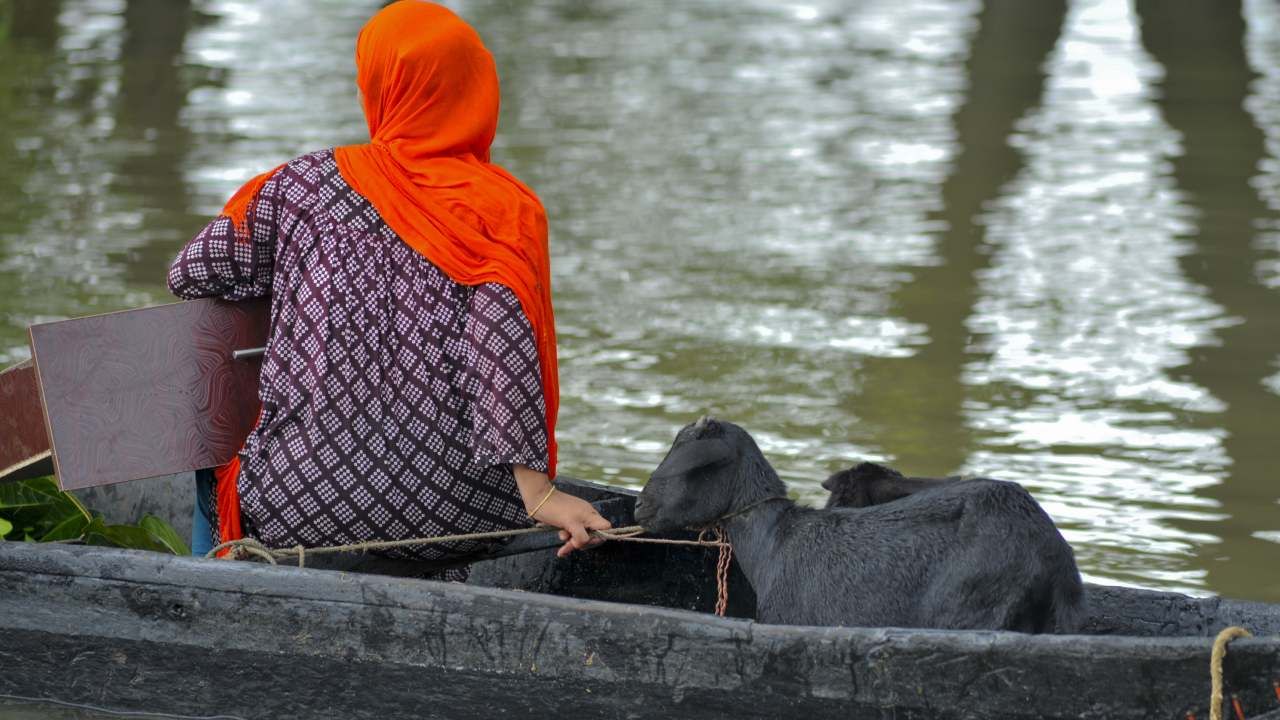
{"type": "Point", "coordinates": [1031, 240]}
{"type": "Point", "coordinates": [1084, 313]}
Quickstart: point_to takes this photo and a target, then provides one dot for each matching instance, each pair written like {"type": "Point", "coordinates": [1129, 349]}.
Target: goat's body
{"type": "Point", "coordinates": [978, 554]}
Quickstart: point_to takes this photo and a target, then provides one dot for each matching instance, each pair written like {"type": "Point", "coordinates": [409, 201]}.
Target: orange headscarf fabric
{"type": "Point", "coordinates": [430, 93]}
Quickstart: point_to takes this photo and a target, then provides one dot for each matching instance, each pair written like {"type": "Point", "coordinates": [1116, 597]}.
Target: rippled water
{"type": "Point", "coordinates": [1029, 240]}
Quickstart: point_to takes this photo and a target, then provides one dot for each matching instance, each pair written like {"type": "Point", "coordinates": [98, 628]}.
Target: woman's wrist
{"type": "Point", "coordinates": [534, 486]}
{"type": "Point", "coordinates": [533, 514]}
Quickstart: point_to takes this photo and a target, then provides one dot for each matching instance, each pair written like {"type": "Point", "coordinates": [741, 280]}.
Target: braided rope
{"type": "Point", "coordinates": [1215, 668]}
{"type": "Point", "coordinates": [722, 572]}
{"type": "Point", "coordinates": [255, 548]}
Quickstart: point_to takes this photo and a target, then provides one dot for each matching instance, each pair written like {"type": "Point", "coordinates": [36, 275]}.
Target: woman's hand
{"type": "Point", "coordinates": [575, 517]}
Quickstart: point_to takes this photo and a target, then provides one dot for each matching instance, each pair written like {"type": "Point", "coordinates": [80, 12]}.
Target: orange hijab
{"type": "Point", "coordinates": [430, 93]}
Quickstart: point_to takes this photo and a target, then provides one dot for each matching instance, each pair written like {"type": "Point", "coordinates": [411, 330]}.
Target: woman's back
{"type": "Point", "coordinates": [395, 400]}
{"type": "Point", "coordinates": [410, 385]}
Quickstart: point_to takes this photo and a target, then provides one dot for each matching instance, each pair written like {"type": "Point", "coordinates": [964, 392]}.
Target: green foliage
{"type": "Point", "coordinates": [163, 532]}
{"type": "Point", "coordinates": [36, 510]}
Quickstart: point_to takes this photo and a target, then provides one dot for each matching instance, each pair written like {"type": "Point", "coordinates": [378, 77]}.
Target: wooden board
{"type": "Point", "coordinates": [24, 441]}
{"type": "Point", "coordinates": [142, 393]}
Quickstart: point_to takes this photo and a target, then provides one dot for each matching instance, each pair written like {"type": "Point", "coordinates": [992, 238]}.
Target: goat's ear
{"type": "Point", "coordinates": [875, 471]}
{"type": "Point", "coordinates": [693, 455]}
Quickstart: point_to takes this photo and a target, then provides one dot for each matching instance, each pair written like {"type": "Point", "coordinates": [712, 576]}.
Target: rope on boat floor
{"type": "Point", "coordinates": [1215, 671]}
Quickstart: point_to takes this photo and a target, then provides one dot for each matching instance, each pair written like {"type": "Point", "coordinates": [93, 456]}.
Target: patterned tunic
{"type": "Point", "coordinates": [394, 400]}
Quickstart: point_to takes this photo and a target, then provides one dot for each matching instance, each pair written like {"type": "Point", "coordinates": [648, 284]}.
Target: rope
{"type": "Point", "coordinates": [1215, 668]}
{"type": "Point", "coordinates": [752, 506]}
{"type": "Point", "coordinates": [722, 572]}
{"type": "Point", "coordinates": [253, 547]}
{"type": "Point", "coordinates": [249, 546]}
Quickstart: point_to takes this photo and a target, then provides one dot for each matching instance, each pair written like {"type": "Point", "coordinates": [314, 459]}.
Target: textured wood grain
{"type": "Point", "coordinates": [148, 392]}
{"type": "Point", "coordinates": [24, 442]}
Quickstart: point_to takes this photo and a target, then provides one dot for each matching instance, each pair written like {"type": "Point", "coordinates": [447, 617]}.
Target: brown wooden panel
{"type": "Point", "coordinates": [24, 442]}
{"type": "Point", "coordinates": [148, 392]}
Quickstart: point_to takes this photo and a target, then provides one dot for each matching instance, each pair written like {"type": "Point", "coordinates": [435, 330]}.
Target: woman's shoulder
{"type": "Point", "coordinates": [311, 169]}
{"type": "Point", "coordinates": [299, 185]}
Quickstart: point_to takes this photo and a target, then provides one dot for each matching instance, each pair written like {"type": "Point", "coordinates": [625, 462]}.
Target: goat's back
{"type": "Point", "coordinates": [973, 554]}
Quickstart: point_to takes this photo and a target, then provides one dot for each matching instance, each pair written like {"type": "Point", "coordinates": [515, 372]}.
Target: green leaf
{"type": "Point", "coordinates": [26, 494]}
{"type": "Point", "coordinates": [71, 528]}
{"type": "Point", "coordinates": [41, 495]}
{"type": "Point", "coordinates": [79, 506]}
{"type": "Point", "coordinates": [38, 506]}
{"type": "Point", "coordinates": [65, 502]}
{"type": "Point", "coordinates": [162, 531]}
{"type": "Point", "coordinates": [121, 536]}
{"type": "Point", "coordinates": [45, 513]}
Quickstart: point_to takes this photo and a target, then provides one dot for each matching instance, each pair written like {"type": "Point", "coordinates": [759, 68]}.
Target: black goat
{"type": "Point", "coordinates": [978, 554]}
{"type": "Point", "coordinates": [867, 484]}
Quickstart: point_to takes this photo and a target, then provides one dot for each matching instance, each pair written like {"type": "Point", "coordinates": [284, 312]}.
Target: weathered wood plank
{"type": "Point", "coordinates": [24, 441]}
{"type": "Point", "coordinates": [148, 392]}
{"type": "Point", "coordinates": [143, 631]}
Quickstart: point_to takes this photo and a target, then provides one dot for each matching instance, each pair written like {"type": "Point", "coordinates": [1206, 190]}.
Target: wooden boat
{"type": "Point", "coordinates": [623, 631]}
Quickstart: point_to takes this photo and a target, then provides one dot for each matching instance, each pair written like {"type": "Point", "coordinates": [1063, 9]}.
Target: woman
{"type": "Point", "coordinates": [409, 386]}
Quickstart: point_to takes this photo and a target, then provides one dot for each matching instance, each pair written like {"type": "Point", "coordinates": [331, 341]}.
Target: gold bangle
{"type": "Point", "coordinates": [545, 498]}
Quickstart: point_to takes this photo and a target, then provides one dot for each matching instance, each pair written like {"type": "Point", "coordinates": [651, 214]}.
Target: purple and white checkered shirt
{"type": "Point", "coordinates": [394, 400]}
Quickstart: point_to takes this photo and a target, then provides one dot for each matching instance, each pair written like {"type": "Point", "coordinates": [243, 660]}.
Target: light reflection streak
{"type": "Point", "coordinates": [1085, 312]}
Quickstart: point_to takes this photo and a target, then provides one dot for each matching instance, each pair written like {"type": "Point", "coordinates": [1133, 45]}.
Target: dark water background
{"type": "Point", "coordinates": [1033, 240]}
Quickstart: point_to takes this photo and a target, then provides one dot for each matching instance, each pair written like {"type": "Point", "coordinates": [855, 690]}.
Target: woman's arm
{"type": "Point", "coordinates": [219, 262]}
{"type": "Point", "coordinates": [575, 517]}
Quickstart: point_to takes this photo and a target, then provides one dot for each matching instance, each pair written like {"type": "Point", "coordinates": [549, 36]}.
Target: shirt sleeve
{"type": "Point", "coordinates": [504, 382]}
{"type": "Point", "coordinates": [217, 263]}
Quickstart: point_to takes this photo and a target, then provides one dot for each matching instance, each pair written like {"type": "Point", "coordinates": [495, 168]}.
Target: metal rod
{"type": "Point", "coordinates": [248, 353]}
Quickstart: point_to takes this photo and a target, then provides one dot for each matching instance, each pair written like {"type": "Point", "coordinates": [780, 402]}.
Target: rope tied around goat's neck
{"type": "Point", "coordinates": [1215, 668]}
{"type": "Point", "coordinates": [249, 547]}
{"type": "Point", "coordinates": [749, 508]}
{"type": "Point", "coordinates": [722, 568]}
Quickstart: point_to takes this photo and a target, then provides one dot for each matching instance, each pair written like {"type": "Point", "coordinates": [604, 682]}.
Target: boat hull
{"type": "Point", "coordinates": [143, 631]}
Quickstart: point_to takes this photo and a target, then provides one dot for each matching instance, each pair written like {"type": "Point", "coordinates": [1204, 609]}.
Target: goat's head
{"type": "Point", "coordinates": [703, 477]}
{"type": "Point", "coordinates": [852, 488]}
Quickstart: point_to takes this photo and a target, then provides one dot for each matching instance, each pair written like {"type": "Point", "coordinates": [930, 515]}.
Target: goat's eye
{"type": "Point", "coordinates": [693, 455]}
